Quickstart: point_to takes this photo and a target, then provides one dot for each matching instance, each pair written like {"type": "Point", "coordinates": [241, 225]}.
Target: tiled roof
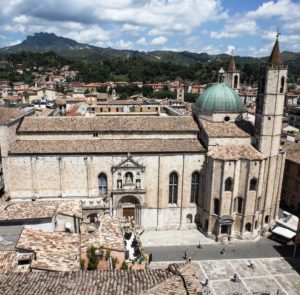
{"type": "Point", "coordinates": [222, 129]}
{"type": "Point", "coordinates": [109, 123]}
{"type": "Point", "coordinates": [235, 152]}
{"type": "Point", "coordinates": [56, 251]}
{"type": "Point", "coordinates": [9, 262]}
{"type": "Point", "coordinates": [106, 146]}
{"type": "Point", "coordinates": [21, 210]}
{"type": "Point", "coordinates": [108, 235]}
{"type": "Point", "coordinates": [8, 115]}
{"type": "Point", "coordinates": [106, 282]}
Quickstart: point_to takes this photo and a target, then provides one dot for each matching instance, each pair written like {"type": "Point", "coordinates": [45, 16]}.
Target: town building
{"type": "Point", "coordinates": [214, 170]}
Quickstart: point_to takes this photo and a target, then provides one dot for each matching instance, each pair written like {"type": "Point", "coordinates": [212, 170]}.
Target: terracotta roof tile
{"type": "Point", "coordinates": [109, 123]}
{"type": "Point", "coordinates": [222, 129]}
{"type": "Point", "coordinates": [9, 262]}
{"type": "Point", "coordinates": [107, 236]}
{"type": "Point", "coordinates": [235, 152]}
{"type": "Point", "coordinates": [8, 115]}
{"type": "Point", "coordinates": [106, 282]}
{"type": "Point", "coordinates": [56, 251]}
{"type": "Point", "coordinates": [106, 146]}
{"type": "Point", "coordinates": [21, 210]}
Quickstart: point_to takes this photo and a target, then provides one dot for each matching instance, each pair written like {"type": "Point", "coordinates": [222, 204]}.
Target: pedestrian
{"type": "Point", "coordinates": [223, 251]}
{"type": "Point", "coordinates": [206, 282]}
{"type": "Point", "coordinates": [199, 245]}
{"type": "Point", "coordinates": [185, 255]}
{"type": "Point", "coordinates": [190, 259]}
{"type": "Point", "coordinates": [150, 258]}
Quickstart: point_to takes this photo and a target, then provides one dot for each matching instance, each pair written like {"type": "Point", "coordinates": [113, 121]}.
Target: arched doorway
{"type": "Point", "coordinates": [129, 207]}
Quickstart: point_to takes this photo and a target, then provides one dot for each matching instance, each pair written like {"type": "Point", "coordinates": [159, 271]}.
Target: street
{"type": "Point", "coordinates": [264, 248]}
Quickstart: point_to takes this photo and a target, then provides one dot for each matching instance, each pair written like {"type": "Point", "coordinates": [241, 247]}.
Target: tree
{"type": "Point", "coordinates": [93, 258]}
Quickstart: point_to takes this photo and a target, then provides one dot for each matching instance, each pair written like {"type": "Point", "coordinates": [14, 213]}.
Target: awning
{"type": "Point", "coordinates": [284, 232]}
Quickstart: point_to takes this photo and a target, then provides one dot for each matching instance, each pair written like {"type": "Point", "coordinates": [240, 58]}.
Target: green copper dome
{"type": "Point", "coordinates": [220, 98]}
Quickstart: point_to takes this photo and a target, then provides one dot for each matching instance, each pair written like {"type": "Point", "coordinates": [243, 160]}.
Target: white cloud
{"type": "Point", "coordinates": [230, 49]}
{"type": "Point", "coordinates": [159, 40]}
{"type": "Point", "coordinates": [285, 9]}
{"type": "Point", "coordinates": [121, 44]}
{"type": "Point", "coordinates": [236, 27]}
{"type": "Point", "coordinates": [130, 28]}
{"type": "Point", "coordinates": [142, 41]}
{"type": "Point", "coordinates": [90, 34]}
{"type": "Point", "coordinates": [176, 16]}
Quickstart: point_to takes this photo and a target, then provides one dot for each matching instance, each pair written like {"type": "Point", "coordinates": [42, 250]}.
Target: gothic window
{"type": "Point", "coordinates": [128, 178]}
{"type": "Point", "coordinates": [216, 206]}
{"type": "Point", "coordinates": [282, 85]}
{"type": "Point", "coordinates": [102, 184]}
{"type": "Point", "coordinates": [195, 186]}
{"type": "Point", "coordinates": [253, 184]}
{"type": "Point", "coordinates": [173, 188]}
{"type": "Point", "coordinates": [235, 83]}
{"type": "Point", "coordinates": [238, 205]}
{"type": "Point", "coordinates": [228, 184]}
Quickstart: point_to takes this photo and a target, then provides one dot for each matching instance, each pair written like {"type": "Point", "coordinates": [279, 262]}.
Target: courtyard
{"type": "Point", "coordinates": [268, 276]}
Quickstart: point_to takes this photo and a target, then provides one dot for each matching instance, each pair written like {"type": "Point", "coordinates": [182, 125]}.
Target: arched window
{"type": "Point", "coordinates": [216, 206]}
{"type": "Point", "coordinates": [235, 83]}
{"type": "Point", "coordinates": [189, 218]}
{"type": "Point", "coordinates": [128, 178]}
{"type": "Point", "coordinates": [248, 226]}
{"type": "Point", "coordinates": [102, 184]}
{"type": "Point", "coordinates": [253, 184]}
{"type": "Point", "coordinates": [228, 184]}
{"type": "Point", "coordinates": [282, 85]}
{"type": "Point", "coordinates": [173, 188]}
{"type": "Point", "coordinates": [238, 205]}
{"type": "Point", "coordinates": [195, 186]}
{"type": "Point", "coordinates": [267, 219]}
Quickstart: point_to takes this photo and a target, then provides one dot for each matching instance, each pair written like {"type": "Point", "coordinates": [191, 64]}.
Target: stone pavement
{"type": "Point", "coordinates": [174, 237]}
{"type": "Point", "coordinates": [270, 276]}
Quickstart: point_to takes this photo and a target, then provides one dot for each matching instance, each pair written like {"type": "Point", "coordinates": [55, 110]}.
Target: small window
{"type": "Point", "coordinates": [282, 85]}
{"type": "Point", "coordinates": [95, 134]}
{"type": "Point", "coordinates": [267, 219]}
{"type": "Point", "coordinates": [238, 205]}
{"type": "Point", "coordinates": [253, 184]}
{"type": "Point", "coordinates": [195, 186]}
{"type": "Point", "coordinates": [102, 183]}
{"type": "Point", "coordinates": [173, 188]}
{"type": "Point", "coordinates": [228, 184]}
{"type": "Point", "coordinates": [269, 118]}
{"type": "Point", "coordinates": [248, 227]}
{"type": "Point", "coordinates": [216, 206]}
{"type": "Point", "coordinates": [235, 81]}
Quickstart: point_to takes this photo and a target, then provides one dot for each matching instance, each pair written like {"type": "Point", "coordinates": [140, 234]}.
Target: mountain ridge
{"type": "Point", "coordinates": [66, 47]}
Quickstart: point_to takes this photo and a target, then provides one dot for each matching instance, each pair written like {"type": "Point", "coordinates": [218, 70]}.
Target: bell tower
{"type": "Point", "coordinates": [270, 103]}
{"type": "Point", "coordinates": [232, 75]}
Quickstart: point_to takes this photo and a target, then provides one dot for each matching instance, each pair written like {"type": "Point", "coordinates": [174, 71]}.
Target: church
{"type": "Point", "coordinates": [213, 170]}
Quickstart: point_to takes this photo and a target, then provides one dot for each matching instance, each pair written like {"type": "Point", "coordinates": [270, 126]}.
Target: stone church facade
{"type": "Point", "coordinates": [213, 170]}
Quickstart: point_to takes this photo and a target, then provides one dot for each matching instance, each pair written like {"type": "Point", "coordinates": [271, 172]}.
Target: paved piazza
{"type": "Point", "coordinates": [269, 276]}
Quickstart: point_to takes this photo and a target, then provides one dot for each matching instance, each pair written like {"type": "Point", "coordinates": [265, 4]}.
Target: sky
{"type": "Point", "coordinates": [241, 27]}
